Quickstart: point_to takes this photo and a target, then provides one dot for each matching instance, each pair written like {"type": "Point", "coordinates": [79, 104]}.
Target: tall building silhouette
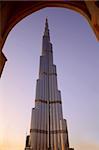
{"type": "Point", "coordinates": [48, 130]}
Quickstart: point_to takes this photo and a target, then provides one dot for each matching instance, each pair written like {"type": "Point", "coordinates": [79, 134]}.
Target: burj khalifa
{"type": "Point", "coordinates": [48, 129]}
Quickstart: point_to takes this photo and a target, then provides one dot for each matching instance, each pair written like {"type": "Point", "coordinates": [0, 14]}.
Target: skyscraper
{"type": "Point", "coordinates": [48, 130]}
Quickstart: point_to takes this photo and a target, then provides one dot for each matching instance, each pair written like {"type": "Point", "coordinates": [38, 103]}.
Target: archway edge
{"type": "Point", "coordinates": [31, 7]}
{"type": "Point", "coordinates": [22, 9]}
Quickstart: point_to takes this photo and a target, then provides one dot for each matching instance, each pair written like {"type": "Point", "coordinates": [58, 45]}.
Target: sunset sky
{"type": "Point", "coordinates": [76, 55]}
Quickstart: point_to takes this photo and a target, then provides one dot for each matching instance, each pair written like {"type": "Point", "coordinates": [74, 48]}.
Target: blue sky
{"type": "Point", "coordinates": [76, 55]}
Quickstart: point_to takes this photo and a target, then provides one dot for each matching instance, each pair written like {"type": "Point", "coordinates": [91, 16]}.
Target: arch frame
{"type": "Point", "coordinates": [14, 11]}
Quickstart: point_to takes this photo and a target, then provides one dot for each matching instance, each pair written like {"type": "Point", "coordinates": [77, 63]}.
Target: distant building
{"type": "Point", "coordinates": [48, 128]}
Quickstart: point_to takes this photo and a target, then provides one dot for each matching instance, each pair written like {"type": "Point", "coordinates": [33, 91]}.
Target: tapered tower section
{"type": "Point", "coordinates": [48, 129]}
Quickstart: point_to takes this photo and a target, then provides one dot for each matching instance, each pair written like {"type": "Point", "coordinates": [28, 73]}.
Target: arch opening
{"type": "Point", "coordinates": [78, 57]}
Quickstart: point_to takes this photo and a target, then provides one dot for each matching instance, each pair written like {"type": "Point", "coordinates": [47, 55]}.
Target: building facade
{"type": "Point", "coordinates": [48, 130]}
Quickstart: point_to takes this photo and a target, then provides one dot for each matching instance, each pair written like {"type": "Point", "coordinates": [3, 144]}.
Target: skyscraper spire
{"type": "Point", "coordinates": [46, 33]}
{"type": "Point", "coordinates": [46, 45]}
{"type": "Point", "coordinates": [48, 128]}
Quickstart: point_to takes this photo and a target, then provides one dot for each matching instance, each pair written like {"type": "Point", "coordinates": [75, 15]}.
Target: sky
{"type": "Point", "coordinates": [76, 55]}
